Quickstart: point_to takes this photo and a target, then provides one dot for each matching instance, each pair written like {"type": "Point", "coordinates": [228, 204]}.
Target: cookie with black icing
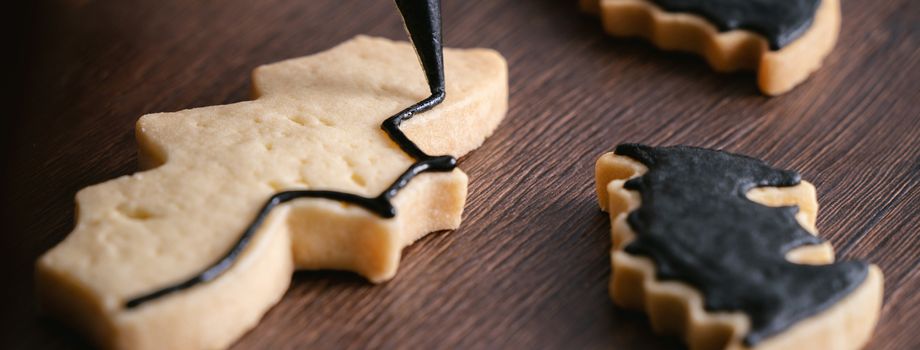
{"type": "Point", "coordinates": [783, 40]}
{"type": "Point", "coordinates": [720, 249]}
{"type": "Point", "coordinates": [341, 160]}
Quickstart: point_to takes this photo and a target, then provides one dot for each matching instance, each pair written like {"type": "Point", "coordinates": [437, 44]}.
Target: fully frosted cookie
{"type": "Point", "coordinates": [720, 249]}
{"type": "Point", "coordinates": [138, 271]}
{"type": "Point", "coordinates": [783, 40]}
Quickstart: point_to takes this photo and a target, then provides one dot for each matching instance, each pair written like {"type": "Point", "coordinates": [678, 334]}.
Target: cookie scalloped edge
{"type": "Point", "coordinates": [777, 71]}
{"type": "Point", "coordinates": [677, 308]}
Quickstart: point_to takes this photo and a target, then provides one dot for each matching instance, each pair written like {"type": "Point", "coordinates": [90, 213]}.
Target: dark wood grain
{"type": "Point", "coordinates": [529, 266]}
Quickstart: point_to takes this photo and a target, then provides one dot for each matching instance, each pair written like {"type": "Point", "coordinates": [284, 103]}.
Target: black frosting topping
{"type": "Point", "coordinates": [780, 21]}
{"type": "Point", "coordinates": [423, 23]}
{"type": "Point", "coordinates": [698, 226]}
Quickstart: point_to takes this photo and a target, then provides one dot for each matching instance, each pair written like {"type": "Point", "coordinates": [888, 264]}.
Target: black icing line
{"type": "Point", "coordinates": [779, 21]}
{"type": "Point", "coordinates": [423, 23]}
{"type": "Point", "coordinates": [699, 227]}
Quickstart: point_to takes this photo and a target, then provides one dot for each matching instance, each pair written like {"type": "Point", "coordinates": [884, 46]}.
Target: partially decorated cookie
{"type": "Point", "coordinates": [783, 40]}
{"type": "Point", "coordinates": [720, 249]}
{"type": "Point", "coordinates": [335, 165]}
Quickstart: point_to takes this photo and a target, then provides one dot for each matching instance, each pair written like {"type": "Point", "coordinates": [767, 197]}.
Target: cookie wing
{"type": "Point", "coordinates": [783, 57]}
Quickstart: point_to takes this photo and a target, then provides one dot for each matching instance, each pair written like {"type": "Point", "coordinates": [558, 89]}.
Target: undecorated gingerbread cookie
{"type": "Point", "coordinates": [192, 252]}
{"type": "Point", "coordinates": [783, 40]}
{"type": "Point", "coordinates": [720, 249]}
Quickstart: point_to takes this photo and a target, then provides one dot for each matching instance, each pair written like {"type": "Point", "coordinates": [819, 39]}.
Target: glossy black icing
{"type": "Point", "coordinates": [423, 23]}
{"type": "Point", "coordinates": [697, 224]}
{"type": "Point", "coordinates": [779, 21]}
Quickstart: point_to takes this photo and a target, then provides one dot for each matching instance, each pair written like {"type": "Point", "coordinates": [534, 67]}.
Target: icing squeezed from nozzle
{"type": "Point", "coordinates": [423, 22]}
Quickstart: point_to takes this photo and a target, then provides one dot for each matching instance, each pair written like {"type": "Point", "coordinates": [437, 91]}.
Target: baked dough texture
{"type": "Point", "coordinates": [676, 308]}
{"type": "Point", "coordinates": [778, 71]}
{"type": "Point", "coordinates": [315, 124]}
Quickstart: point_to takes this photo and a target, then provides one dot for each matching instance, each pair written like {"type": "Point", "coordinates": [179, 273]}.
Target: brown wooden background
{"type": "Point", "coordinates": [529, 266]}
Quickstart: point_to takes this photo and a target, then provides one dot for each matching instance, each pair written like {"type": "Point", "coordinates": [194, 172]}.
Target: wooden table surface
{"type": "Point", "coordinates": [528, 268]}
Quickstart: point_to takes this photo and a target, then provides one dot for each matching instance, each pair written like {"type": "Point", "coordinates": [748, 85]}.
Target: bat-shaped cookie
{"type": "Point", "coordinates": [323, 170]}
{"type": "Point", "coordinates": [783, 40]}
{"type": "Point", "coordinates": [720, 249]}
